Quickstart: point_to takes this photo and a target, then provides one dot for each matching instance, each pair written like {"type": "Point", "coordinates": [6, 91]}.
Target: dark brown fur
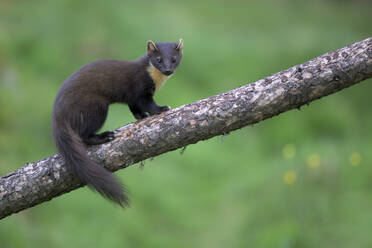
{"type": "Point", "coordinates": [81, 106]}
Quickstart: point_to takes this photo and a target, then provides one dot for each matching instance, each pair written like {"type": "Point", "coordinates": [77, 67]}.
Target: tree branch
{"type": "Point", "coordinates": [43, 180]}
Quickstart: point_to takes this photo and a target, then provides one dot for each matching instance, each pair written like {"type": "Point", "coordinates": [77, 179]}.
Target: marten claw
{"type": "Point", "coordinates": [110, 137]}
{"type": "Point", "coordinates": [140, 116]}
{"type": "Point", "coordinates": [107, 136]}
{"type": "Point", "coordinates": [166, 108]}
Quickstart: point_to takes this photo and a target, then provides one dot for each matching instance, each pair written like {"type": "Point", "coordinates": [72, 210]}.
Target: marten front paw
{"type": "Point", "coordinates": [164, 108]}
{"type": "Point", "coordinates": [160, 110]}
{"type": "Point", "coordinates": [140, 116]}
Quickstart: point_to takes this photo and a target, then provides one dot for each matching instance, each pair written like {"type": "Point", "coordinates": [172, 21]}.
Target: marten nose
{"type": "Point", "coordinates": [168, 72]}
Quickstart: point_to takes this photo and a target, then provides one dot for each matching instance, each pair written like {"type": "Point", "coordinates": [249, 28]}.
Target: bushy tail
{"type": "Point", "coordinates": [98, 178]}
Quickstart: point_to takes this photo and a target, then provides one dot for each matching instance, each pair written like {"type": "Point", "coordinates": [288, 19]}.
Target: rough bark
{"type": "Point", "coordinates": [43, 180]}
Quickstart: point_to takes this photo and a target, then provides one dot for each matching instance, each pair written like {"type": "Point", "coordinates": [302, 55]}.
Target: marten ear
{"type": "Point", "coordinates": [179, 45]}
{"type": "Point", "coordinates": [151, 47]}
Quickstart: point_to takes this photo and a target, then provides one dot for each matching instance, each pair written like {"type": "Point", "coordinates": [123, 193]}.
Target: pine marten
{"type": "Point", "coordinates": [81, 106]}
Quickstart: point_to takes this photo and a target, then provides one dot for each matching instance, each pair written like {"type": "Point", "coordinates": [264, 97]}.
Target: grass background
{"type": "Point", "coordinates": [302, 179]}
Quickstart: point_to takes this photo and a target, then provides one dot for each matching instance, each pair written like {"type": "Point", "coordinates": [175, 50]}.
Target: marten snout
{"type": "Point", "coordinates": [168, 72]}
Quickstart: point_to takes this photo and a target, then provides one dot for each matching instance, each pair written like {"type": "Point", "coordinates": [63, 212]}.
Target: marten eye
{"type": "Point", "coordinates": [159, 59]}
{"type": "Point", "coordinates": [173, 59]}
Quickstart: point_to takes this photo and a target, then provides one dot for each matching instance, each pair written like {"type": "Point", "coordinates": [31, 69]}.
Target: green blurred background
{"type": "Point", "coordinates": [303, 179]}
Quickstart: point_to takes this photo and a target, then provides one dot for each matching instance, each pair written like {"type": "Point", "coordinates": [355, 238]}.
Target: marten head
{"type": "Point", "coordinates": [165, 56]}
